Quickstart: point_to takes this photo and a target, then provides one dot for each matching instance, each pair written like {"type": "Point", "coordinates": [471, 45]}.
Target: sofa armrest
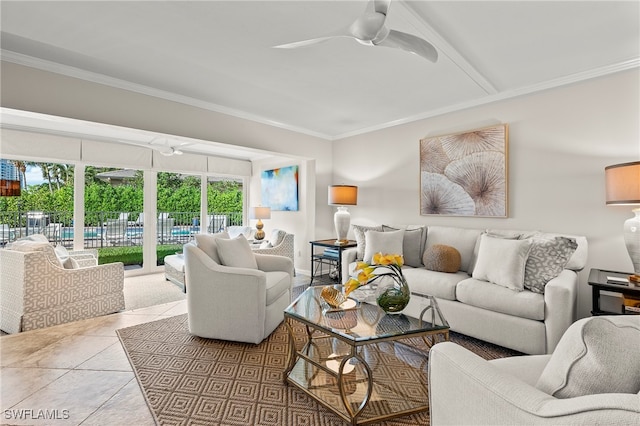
{"type": "Point", "coordinates": [560, 298]}
{"type": "Point", "coordinates": [348, 257]}
{"type": "Point", "coordinates": [466, 389]}
{"type": "Point", "coordinates": [272, 262]}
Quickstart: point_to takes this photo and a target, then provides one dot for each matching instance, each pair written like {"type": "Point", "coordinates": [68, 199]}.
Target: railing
{"type": "Point", "coordinates": [111, 229]}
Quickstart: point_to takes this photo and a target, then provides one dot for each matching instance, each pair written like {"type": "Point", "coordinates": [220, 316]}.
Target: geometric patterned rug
{"type": "Point", "coordinates": [188, 380]}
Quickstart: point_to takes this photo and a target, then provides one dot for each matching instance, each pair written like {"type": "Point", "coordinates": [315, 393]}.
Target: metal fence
{"type": "Point", "coordinates": [111, 229]}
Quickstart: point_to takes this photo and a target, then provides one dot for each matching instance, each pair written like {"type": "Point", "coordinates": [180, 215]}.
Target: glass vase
{"type": "Point", "coordinates": [393, 295]}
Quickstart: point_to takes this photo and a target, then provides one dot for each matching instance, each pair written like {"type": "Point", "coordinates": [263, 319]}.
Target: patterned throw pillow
{"type": "Point", "coordinates": [546, 260]}
{"type": "Point", "coordinates": [358, 231]}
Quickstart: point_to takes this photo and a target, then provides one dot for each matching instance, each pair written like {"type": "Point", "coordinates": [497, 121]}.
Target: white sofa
{"type": "Point", "coordinates": [528, 322]}
{"type": "Point", "coordinates": [39, 291]}
{"type": "Point", "coordinates": [593, 378]}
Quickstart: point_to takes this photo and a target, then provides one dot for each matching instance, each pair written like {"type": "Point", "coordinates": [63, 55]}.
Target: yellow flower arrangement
{"type": "Point", "coordinates": [383, 265]}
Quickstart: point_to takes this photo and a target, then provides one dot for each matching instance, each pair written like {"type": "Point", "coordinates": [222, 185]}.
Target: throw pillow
{"type": "Point", "coordinates": [595, 355]}
{"type": "Point", "coordinates": [507, 235]}
{"type": "Point", "coordinates": [236, 252]}
{"type": "Point", "coordinates": [358, 232]}
{"type": "Point", "coordinates": [382, 242]}
{"type": "Point", "coordinates": [547, 259]}
{"type": "Point", "coordinates": [208, 244]}
{"type": "Point", "coordinates": [502, 261]}
{"type": "Point", "coordinates": [235, 230]}
{"type": "Point", "coordinates": [411, 245]}
{"type": "Point", "coordinates": [62, 254]}
{"type": "Point", "coordinates": [277, 235]}
{"type": "Point", "coordinates": [71, 263]}
{"type": "Point", "coordinates": [27, 245]}
{"type": "Point", "coordinates": [442, 258]}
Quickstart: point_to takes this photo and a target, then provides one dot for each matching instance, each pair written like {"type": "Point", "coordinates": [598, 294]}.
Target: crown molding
{"type": "Point", "coordinates": [551, 84]}
{"type": "Point", "coordinates": [68, 71]}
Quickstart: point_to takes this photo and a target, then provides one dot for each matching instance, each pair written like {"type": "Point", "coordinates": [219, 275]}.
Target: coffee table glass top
{"type": "Point", "coordinates": [364, 322]}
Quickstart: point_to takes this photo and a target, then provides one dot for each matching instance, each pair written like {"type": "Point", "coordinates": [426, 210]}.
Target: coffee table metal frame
{"type": "Point", "coordinates": [318, 329]}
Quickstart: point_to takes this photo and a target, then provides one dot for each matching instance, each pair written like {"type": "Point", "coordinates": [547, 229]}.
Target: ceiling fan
{"type": "Point", "coordinates": [370, 30]}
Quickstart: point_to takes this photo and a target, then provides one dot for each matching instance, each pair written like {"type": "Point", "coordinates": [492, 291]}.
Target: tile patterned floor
{"type": "Point", "coordinates": [76, 373]}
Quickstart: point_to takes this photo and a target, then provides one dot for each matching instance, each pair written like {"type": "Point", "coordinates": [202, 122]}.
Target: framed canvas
{"type": "Point", "coordinates": [280, 188]}
{"type": "Point", "coordinates": [465, 174]}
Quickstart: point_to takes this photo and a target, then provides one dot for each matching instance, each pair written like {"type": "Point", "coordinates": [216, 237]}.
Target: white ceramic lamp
{"type": "Point", "coordinates": [623, 188]}
{"type": "Point", "coordinates": [260, 213]}
{"type": "Point", "coordinates": [342, 196]}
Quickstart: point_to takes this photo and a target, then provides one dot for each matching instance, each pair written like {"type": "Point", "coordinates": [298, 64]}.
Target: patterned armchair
{"type": "Point", "coordinates": [37, 291]}
{"type": "Point", "coordinates": [281, 245]}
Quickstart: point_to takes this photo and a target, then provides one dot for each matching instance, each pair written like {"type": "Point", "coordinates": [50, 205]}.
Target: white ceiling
{"type": "Point", "coordinates": [218, 54]}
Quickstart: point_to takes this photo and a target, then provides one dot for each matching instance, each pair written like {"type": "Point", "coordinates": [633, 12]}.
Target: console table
{"type": "Point", "coordinates": [598, 282]}
{"type": "Point", "coordinates": [319, 260]}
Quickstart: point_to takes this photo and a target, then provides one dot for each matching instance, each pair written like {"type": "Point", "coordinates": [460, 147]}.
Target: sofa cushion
{"type": "Point", "coordinates": [358, 232]}
{"type": "Point", "coordinates": [411, 243]}
{"type": "Point", "coordinates": [63, 256]}
{"type": "Point", "coordinates": [236, 252]}
{"type": "Point", "coordinates": [502, 261]}
{"type": "Point", "coordinates": [27, 245]}
{"type": "Point", "coordinates": [485, 295]}
{"type": "Point", "coordinates": [208, 244]}
{"type": "Point", "coordinates": [546, 260]}
{"type": "Point", "coordinates": [432, 283]}
{"type": "Point", "coordinates": [464, 240]}
{"type": "Point", "coordinates": [278, 282]}
{"type": "Point", "coordinates": [595, 355]}
{"type": "Point", "coordinates": [442, 258]}
{"type": "Point", "coordinates": [382, 242]}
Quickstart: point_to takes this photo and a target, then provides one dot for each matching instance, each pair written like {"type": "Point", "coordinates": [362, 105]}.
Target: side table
{"type": "Point", "coordinates": [326, 258]}
{"type": "Point", "coordinates": [599, 282]}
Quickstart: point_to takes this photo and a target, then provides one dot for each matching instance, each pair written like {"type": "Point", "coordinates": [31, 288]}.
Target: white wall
{"type": "Point", "coordinates": [559, 143]}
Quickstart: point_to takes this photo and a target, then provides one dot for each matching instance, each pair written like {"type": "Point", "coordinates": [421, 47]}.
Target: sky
{"type": "Point", "coordinates": [34, 176]}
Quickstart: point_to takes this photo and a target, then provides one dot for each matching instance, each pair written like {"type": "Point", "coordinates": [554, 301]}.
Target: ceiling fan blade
{"type": "Point", "coordinates": [381, 6]}
{"type": "Point", "coordinates": [317, 40]}
{"type": "Point", "coordinates": [409, 43]}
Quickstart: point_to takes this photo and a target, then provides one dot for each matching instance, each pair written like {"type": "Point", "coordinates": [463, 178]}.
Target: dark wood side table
{"type": "Point", "coordinates": [599, 282]}
{"type": "Point", "coordinates": [321, 259]}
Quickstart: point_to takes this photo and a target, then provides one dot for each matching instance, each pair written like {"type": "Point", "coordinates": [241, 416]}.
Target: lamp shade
{"type": "Point", "coordinates": [260, 212]}
{"type": "Point", "coordinates": [343, 195]}
{"type": "Point", "coordinates": [623, 183]}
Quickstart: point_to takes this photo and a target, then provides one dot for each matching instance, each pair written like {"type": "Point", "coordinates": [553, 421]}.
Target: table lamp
{"type": "Point", "coordinates": [260, 213]}
{"type": "Point", "coordinates": [623, 188]}
{"type": "Point", "coordinates": [342, 196]}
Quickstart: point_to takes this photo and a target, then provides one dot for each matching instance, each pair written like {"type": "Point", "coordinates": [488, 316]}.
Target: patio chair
{"type": "Point", "coordinates": [216, 223]}
{"type": "Point", "coordinates": [6, 234]}
{"type": "Point", "coordinates": [115, 231]}
{"type": "Point", "coordinates": [53, 231]}
{"type": "Point", "coordinates": [165, 230]}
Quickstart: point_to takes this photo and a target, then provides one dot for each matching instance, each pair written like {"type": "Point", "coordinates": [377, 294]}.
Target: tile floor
{"type": "Point", "coordinates": [76, 373]}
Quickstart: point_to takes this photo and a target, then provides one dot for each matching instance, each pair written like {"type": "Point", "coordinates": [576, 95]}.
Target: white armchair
{"type": "Point", "coordinates": [235, 303]}
{"type": "Point", "coordinates": [281, 244]}
{"type": "Point", "coordinates": [593, 377]}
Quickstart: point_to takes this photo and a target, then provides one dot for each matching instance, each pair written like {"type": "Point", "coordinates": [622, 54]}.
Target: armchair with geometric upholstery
{"type": "Point", "coordinates": [39, 291]}
{"type": "Point", "coordinates": [280, 244]}
{"type": "Point", "coordinates": [233, 293]}
{"type": "Point", "coordinates": [592, 377]}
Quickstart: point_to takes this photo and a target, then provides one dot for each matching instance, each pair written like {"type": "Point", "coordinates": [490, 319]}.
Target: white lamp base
{"type": "Point", "coordinates": [632, 239]}
{"type": "Point", "coordinates": [341, 220]}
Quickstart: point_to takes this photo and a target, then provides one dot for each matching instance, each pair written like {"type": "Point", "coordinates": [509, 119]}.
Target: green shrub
{"type": "Point", "coordinates": [133, 255]}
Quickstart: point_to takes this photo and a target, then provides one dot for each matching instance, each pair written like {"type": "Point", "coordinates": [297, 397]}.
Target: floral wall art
{"type": "Point", "coordinates": [280, 188]}
{"type": "Point", "coordinates": [465, 174]}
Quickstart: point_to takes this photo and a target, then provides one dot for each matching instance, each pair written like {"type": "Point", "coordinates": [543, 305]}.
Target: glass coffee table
{"type": "Point", "coordinates": [359, 362]}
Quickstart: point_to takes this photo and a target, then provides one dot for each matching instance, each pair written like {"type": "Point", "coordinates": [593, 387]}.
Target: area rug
{"type": "Point", "coordinates": [188, 380]}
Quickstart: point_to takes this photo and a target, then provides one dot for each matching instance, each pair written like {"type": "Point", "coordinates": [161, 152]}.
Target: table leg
{"type": "Point", "coordinates": [342, 386]}
{"type": "Point", "coordinates": [595, 300]}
